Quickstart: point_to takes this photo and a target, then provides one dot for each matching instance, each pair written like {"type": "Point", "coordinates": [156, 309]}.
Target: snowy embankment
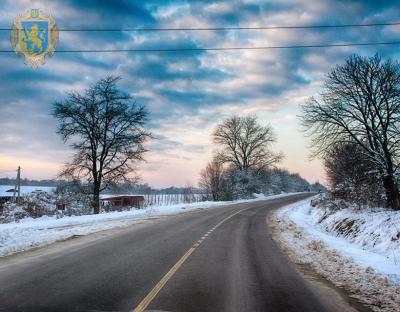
{"type": "Point", "coordinates": [29, 233]}
{"type": "Point", "coordinates": [356, 250]}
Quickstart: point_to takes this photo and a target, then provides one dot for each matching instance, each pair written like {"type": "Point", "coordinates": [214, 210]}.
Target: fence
{"type": "Point", "coordinates": [172, 199]}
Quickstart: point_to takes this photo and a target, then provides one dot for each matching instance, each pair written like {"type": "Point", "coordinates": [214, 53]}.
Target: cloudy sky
{"type": "Point", "coordinates": [187, 93]}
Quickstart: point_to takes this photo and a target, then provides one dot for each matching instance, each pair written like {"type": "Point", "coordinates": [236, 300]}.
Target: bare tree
{"type": "Point", "coordinates": [346, 164]}
{"type": "Point", "coordinates": [361, 104]}
{"type": "Point", "coordinates": [105, 128]}
{"type": "Point", "coordinates": [352, 175]}
{"type": "Point", "coordinates": [212, 179]}
{"type": "Point", "coordinates": [245, 143]}
{"type": "Point", "coordinates": [188, 194]}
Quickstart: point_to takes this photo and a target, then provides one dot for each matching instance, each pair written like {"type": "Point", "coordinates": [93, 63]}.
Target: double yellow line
{"type": "Point", "coordinates": [153, 293]}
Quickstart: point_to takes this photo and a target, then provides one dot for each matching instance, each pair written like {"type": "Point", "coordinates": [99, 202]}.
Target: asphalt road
{"type": "Point", "coordinates": [221, 259]}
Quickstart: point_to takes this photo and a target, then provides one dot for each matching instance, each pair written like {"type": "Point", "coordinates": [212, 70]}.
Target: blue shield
{"type": "Point", "coordinates": [34, 36]}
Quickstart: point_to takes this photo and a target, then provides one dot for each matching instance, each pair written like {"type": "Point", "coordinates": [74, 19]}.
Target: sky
{"type": "Point", "coordinates": [186, 93]}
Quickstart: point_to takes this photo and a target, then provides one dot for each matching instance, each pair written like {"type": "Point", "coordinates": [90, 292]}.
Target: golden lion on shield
{"type": "Point", "coordinates": [34, 36]}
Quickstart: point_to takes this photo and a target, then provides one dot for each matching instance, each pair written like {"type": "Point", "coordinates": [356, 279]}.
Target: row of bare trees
{"type": "Point", "coordinates": [354, 124]}
{"type": "Point", "coordinates": [243, 150]}
{"type": "Point", "coordinates": [244, 162]}
{"type": "Point", "coordinates": [105, 127]}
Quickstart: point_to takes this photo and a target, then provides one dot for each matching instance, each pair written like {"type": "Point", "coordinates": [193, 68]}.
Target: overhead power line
{"type": "Point", "coordinates": [221, 28]}
{"type": "Point", "coordinates": [221, 48]}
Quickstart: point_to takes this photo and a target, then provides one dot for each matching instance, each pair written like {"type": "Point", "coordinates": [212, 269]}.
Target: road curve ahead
{"type": "Point", "coordinates": [220, 259]}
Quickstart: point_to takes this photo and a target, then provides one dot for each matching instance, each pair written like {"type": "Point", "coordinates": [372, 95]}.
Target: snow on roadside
{"type": "Point", "coordinates": [29, 233]}
{"type": "Point", "coordinates": [364, 261]}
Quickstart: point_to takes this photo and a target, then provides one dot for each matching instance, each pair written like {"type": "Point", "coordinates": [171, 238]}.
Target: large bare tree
{"type": "Point", "coordinates": [245, 143]}
{"type": "Point", "coordinates": [105, 128]}
{"type": "Point", "coordinates": [360, 104]}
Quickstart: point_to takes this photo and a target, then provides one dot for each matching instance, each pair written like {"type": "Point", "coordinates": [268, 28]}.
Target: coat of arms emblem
{"type": "Point", "coordinates": [34, 35]}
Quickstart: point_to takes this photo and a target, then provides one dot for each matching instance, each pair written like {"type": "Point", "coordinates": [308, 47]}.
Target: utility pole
{"type": "Point", "coordinates": [19, 182]}
{"type": "Point", "coordinates": [17, 187]}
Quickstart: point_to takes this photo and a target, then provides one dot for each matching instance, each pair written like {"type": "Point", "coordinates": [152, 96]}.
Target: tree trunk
{"type": "Point", "coordinates": [392, 193]}
{"type": "Point", "coordinates": [96, 199]}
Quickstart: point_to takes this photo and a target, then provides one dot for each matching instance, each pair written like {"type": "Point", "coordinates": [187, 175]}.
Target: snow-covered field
{"type": "Point", "coordinates": [29, 233]}
{"type": "Point", "coordinates": [24, 189]}
{"type": "Point", "coordinates": [356, 250]}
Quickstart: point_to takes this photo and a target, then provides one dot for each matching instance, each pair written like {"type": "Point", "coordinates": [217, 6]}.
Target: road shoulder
{"type": "Point", "coordinates": [327, 271]}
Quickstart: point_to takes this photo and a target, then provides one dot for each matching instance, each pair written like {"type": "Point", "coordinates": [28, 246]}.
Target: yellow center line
{"type": "Point", "coordinates": [153, 293]}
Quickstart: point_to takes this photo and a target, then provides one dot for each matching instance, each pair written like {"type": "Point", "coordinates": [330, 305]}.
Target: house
{"type": "Point", "coordinates": [123, 201]}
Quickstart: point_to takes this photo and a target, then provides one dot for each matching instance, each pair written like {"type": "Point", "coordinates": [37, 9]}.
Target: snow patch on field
{"type": "Point", "coordinates": [24, 189]}
{"type": "Point", "coordinates": [29, 233]}
{"type": "Point", "coordinates": [361, 256]}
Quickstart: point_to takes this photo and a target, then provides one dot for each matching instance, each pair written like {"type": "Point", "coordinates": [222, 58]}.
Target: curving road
{"type": "Point", "coordinates": [220, 259]}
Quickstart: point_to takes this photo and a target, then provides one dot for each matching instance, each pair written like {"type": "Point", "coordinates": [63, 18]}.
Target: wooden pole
{"type": "Point", "coordinates": [19, 183]}
{"type": "Point", "coordinates": [17, 187]}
